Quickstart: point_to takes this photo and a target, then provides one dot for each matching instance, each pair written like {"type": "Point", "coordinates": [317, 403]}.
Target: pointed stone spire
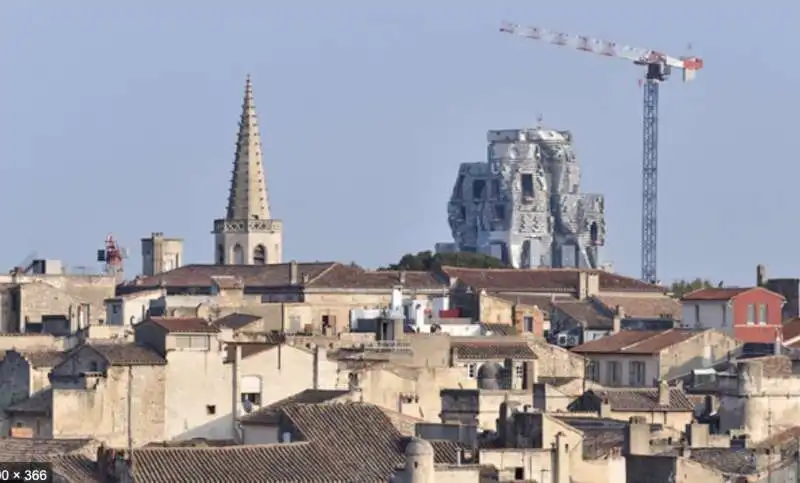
{"type": "Point", "coordinates": [248, 197]}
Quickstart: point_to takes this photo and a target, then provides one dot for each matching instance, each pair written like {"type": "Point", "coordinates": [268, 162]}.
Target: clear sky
{"type": "Point", "coordinates": [122, 118]}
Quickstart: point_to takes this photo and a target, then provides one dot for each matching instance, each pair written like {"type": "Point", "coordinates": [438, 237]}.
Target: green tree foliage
{"type": "Point", "coordinates": [679, 288]}
{"type": "Point", "coordinates": [427, 261]}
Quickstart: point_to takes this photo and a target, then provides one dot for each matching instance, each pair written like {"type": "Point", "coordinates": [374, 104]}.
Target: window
{"type": "Point", "coordinates": [751, 314]}
{"type": "Point", "coordinates": [471, 370]}
{"type": "Point", "coordinates": [115, 309]}
{"type": "Point", "coordinates": [93, 366]}
{"type": "Point", "coordinates": [724, 315]}
{"type": "Point", "coordinates": [463, 212]}
{"type": "Point", "coordinates": [527, 323]}
{"type": "Point", "coordinates": [260, 255]}
{"type": "Point", "coordinates": [220, 255]}
{"type": "Point", "coordinates": [238, 255]}
{"type": "Point", "coordinates": [593, 371]}
{"type": "Point", "coordinates": [697, 314]}
{"type": "Point", "coordinates": [253, 398]}
{"type": "Point", "coordinates": [762, 314]}
{"type": "Point", "coordinates": [478, 189]}
{"type": "Point", "coordinates": [527, 185]}
{"type": "Point", "coordinates": [211, 409]}
{"type": "Point", "coordinates": [519, 473]}
{"type": "Point", "coordinates": [519, 370]}
{"type": "Point", "coordinates": [613, 375]}
{"type": "Point", "coordinates": [636, 376]}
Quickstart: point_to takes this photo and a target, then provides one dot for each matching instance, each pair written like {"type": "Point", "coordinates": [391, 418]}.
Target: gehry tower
{"type": "Point", "coordinates": [248, 235]}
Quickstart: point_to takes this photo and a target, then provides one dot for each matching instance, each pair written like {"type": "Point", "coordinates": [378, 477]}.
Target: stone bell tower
{"type": "Point", "coordinates": [248, 235]}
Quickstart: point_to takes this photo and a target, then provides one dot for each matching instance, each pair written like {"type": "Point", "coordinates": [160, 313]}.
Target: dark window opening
{"type": "Point", "coordinates": [519, 473]}
{"type": "Point", "coordinates": [593, 233]}
{"type": "Point", "coordinates": [478, 189]}
{"type": "Point", "coordinates": [93, 366]}
{"type": "Point", "coordinates": [463, 210]}
{"type": "Point", "coordinates": [211, 409]}
{"type": "Point", "coordinates": [496, 188]}
{"type": "Point", "coordinates": [499, 212]}
{"type": "Point", "coordinates": [527, 185]}
{"type": "Point", "coordinates": [252, 397]}
{"type": "Point", "coordinates": [260, 255]}
{"type": "Point", "coordinates": [220, 255]}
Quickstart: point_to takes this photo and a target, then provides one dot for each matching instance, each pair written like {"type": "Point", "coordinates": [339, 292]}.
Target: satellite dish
{"type": "Point", "coordinates": [247, 405]}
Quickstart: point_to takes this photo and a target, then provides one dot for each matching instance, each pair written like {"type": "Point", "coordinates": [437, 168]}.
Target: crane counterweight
{"type": "Point", "coordinates": [659, 67]}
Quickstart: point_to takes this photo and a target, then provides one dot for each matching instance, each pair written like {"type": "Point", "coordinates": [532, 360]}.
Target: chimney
{"type": "Point", "coordinates": [562, 463]}
{"type": "Point", "coordinates": [761, 275]}
{"type": "Point", "coordinates": [402, 277]}
{"type": "Point", "coordinates": [663, 393]}
{"type": "Point", "coordinates": [777, 346]}
{"type": "Point", "coordinates": [293, 275]}
{"type": "Point", "coordinates": [616, 320]}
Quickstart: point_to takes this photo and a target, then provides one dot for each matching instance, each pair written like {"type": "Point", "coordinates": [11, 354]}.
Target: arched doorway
{"type": "Point", "coordinates": [220, 255]}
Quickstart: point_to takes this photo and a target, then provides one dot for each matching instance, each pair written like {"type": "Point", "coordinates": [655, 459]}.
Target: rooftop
{"type": "Point", "coordinates": [543, 280]}
{"type": "Point", "coordinates": [271, 414]}
{"type": "Point", "coordinates": [491, 348]}
{"type": "Point", "coordinates": [236, 321]}
{"type": "Point", "coordinates": [636, 341]}
{"type": "Point", "coordinates": [188, 325]}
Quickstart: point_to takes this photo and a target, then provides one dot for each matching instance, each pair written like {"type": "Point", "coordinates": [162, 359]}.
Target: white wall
{"type": "Point", "coordinates": [708, 315]}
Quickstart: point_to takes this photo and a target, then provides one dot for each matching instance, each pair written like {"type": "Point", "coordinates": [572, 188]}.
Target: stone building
{"type": "Point", "coordinates": [523, 204]}
{"type": "Point", "coordinates": [248, 235]}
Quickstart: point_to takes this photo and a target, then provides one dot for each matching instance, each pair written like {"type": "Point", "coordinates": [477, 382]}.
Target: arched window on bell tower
{"type": "Point", "coordinates": [238, 255]}
{"type": "Point", "coordinates": [260, 255]}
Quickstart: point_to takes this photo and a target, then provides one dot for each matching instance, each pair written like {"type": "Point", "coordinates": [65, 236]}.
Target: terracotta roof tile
{"type": "Point", "coordinates": [543, 280]}
{"type": "Point", "coordinates": [636, 341]}
{"type": "Point", "coordinates": [491, 349]}
{"type": "Point", "coordinates": [791, 328]}
{"type": "Point", "coordinates": [270, 414]}
{"type": "Point", "coordinates": [75, 468]}
{"type": "Point", "coordinates": [236, 321]}
{"type": "Point", "coordinates": [655, 307]}
{"type": "Point", "coordinates": [13, 450]}
{"type": "Point", "coordinates": [347, 277]}
{"type": "Point", "coordinates": [193, 325]}
{"type": "Point", "coordinates": [710, 294]}
{"type": "Point", "coordinates": [250, 349]}
{"type": "Point", "coordinates": [646, 399]}
{"type": "Point", "coordinates": [260, 276]}
{"type": "Point", "coordinates": [43, 357]}
{"type": "Point", "coordinates": [129, 354]}
{"type": "Point", "coordinates": [499, 329]}
{"type": "Point", "coordinates": [585, 313]}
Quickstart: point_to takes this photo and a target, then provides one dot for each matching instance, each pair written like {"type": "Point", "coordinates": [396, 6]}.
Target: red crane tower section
{"type": "Point", "coordinates": [113, 255]}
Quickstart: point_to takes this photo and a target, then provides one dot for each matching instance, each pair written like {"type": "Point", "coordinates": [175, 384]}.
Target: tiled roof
{"type": "Point", "coordinates": [262, 276]}
{"type": "Point", "coordinates": [75, 468]}
{"type": "Point", "coordinates": [543, 280]}
{"type": "Point", "coordinates": [726, 293]}
{"type": "Point", "coordinates": [250, 349]}
{"type": "Point", "coordinates": [13, 450]}
{"type": "Point", "coordinates": [478, 349]}
{"type": "Point", "coordinates": [348, 277]}
{"type": "Point", "coordinates": [43, 357]}
{"type": "Point", "coordinates": [344, 443]}
{"type": "Point", "coordinates": [227, 282]}
{"type": "Point", "coordinates": [127, 354]}
{"type": "Point", "coordinates": [39, 403]}
{"type": "Point", "coordinates": [791, 328]}
{"type": "Point", "coordinates": [636, 341]}
{"type": "Point", "coordinates": [271, 414]}
{"type": "Point", "coordinates": [650, 307]}
{"type": "Point", "coordinates": [193, 325]}
{"type": "Point", "coordinates": [585, 313]}
{"type": "Point", "coordinates": [645, 399]}
{"type": "Point", "coordinates": [236, 321]}
{"type": "Point", "coordinates": [499, 329]}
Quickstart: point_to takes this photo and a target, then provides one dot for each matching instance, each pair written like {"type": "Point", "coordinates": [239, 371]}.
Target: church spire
{"type": "Point", "coordinates": [248, 197]}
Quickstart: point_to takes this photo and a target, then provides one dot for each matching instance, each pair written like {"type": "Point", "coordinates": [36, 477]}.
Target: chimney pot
{"type": "Point", "coordinates": [293, 273]}
{"type": "Point", "coordinates": [663, 393]}
{"type": "Point", "coordinates": [761, 275]}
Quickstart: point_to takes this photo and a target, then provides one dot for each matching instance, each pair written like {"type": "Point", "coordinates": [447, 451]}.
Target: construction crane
{"type": "Point", "coordinates": [658, 69]}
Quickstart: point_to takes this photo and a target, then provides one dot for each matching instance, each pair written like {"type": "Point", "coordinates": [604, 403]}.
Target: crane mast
{"type": "Point", "coordinates": [659, 67]}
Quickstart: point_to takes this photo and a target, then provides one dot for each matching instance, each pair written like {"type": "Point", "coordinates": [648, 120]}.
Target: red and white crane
{"type": "Point", "coordinates": [659, 67]}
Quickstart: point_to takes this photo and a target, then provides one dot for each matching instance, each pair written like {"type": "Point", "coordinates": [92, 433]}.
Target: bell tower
{"type": "Point", "coordinates": [248, 235]}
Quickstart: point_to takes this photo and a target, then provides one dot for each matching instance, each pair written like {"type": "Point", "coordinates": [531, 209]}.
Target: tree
{"type": "Point", "coordinates": [426, 260]}
{"type": "Point", "coordinates": [679, 288]}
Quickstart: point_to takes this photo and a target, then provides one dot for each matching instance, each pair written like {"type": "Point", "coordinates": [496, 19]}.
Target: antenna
{"type": "Point", "coordinates": [112, 255]}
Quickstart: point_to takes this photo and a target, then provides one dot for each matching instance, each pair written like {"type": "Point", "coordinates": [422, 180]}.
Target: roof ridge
{"type": "Point", "coordinates": [657, 333]}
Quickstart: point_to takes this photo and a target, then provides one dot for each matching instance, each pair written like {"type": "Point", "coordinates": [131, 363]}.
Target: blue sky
{"type": "Point", "coordinates": [122, 118]}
